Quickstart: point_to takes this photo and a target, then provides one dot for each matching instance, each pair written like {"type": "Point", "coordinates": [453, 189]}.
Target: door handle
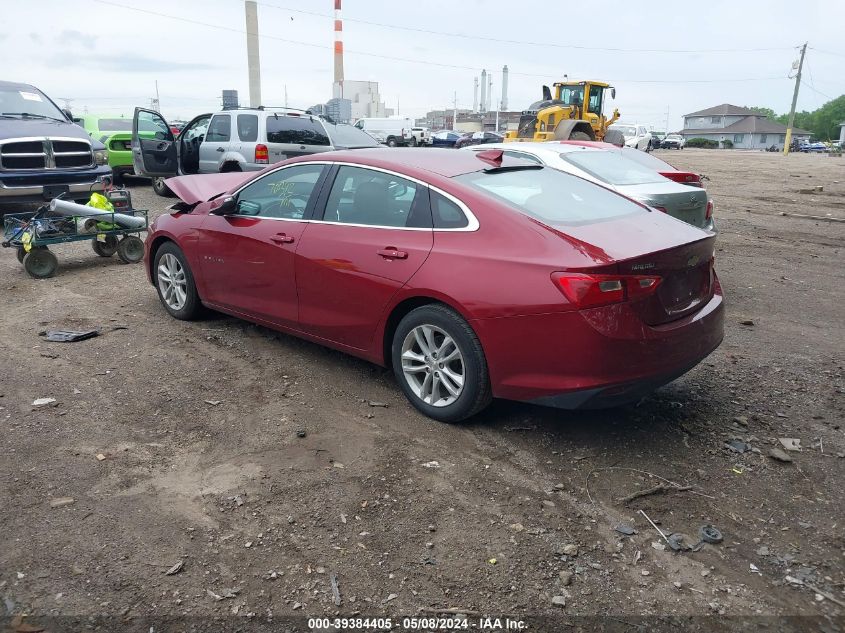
{"type": "Point", "coordinates": [220, 149]}
{"type": "Point", "coordinates": [391, 253]}
{"type": "Point", "coordinates": [282, 238]}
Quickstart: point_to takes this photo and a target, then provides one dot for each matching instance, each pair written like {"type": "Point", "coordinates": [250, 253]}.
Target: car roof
{"type": "Point", "coordinates": [16, 86]}
{"type": "Point", "coordinates": [443, 162]}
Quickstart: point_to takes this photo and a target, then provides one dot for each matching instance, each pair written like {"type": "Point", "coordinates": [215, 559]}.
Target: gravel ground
{"type": "Point", "coordinates": [257, 460]}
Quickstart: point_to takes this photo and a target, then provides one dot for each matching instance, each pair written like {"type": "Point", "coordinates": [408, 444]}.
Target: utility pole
{"type": "Point", "coordinates": [788, 140]}
{"type": "Point", "coordinates": [455, 115]}
{"type": "Point", "coordinates": [667, 120]}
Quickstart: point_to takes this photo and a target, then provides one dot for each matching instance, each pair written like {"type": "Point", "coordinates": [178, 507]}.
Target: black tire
{"type": "Point", "coordinates": [391, 141]}
{"type": "Point", "coordinates": [413, 141]}
{"type": "Point", "coordinates": [580, 136]}
{"type": "Point", "coordinates": [476, 393]}
{"type": "Point", "coordinates": [161, 189]}
{"type": "Point", "coordinates": [21, 253]}
{"type": "Point", "coordinates": [107, 248]}
{"type": "Point", "coordinates": [130, 249]}
{"type": "Point", "coordinates": [40, 263]}
{"type": "Point", "coordinates": [192, 307]}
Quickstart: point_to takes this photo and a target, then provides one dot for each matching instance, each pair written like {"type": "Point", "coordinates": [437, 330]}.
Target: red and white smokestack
{"type": "Point", "coordinates": [338, 51]}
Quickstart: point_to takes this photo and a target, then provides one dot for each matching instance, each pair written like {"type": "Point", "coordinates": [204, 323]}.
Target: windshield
{"type": "Point", "coordinates": [552, 196]}
{"type": "Point", "coordinates": [344, 135]}
{"type": "Point", "coordinates": [28, 101]}
{"type": "Point", "coordinates": [676, 137]}
{"type": "Point", "coordinates": [612, 168]}
{"type": "Point", "coordinates": [627, 130]}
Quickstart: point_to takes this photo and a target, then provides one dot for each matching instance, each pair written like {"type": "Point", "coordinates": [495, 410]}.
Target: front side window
{"type": "Point", "coordinates": [198, 129]}
{"type": "Point", "coordinates": [220, 129]}
{"type": "Point", "coordinates": [284, 193]}
{"type": "Point", "coordinates": [595, 100]}
{"type": "Point", "coordinates": [152, 122]}
{"type": "Point", "coordinates": [374, 198]}
{"type": "Point", "coordinates": [296, 130]}
{"type": "Point", "coordinates": [552, 196]}
{"type": "Point", "coordinates": [248, 127]}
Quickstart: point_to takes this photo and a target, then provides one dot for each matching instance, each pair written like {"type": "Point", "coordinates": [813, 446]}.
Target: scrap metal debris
{"type": "Point", "coordinates": [175, 569]}
{"type": "Point", "coordinates": [69, 336]}
{"type": "Point", "coordinates": [335, 590]}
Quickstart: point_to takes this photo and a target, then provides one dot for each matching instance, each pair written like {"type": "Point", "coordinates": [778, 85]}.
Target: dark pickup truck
{"type": "Point", "coordinates": [42, 152]}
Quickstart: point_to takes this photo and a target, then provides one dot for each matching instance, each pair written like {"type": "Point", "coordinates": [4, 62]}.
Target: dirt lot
{"type": "Point", "coordinates": [199, 425]}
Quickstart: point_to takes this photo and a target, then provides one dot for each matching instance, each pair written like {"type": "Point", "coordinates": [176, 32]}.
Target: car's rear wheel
{"type": "Point", "coordinates": [391, 142]}
{"type": "Point", "coordinates": [175, 283]}
{"type": "Point", "coordinates": [413, 141]}
{"type": "Point", "coordinates": [440, 365]}
{"type": "Point", "coordinates": [161, 189]}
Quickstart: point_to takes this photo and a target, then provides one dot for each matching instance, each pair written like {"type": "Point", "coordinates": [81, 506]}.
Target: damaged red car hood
{"type": "Point", "coordinates": [203, 187]}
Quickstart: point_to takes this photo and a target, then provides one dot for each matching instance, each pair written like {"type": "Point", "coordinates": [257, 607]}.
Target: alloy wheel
{"type": "Point", "coordinates": [172, 281]}
{"type": "Point", "coordinates": [433, 365]}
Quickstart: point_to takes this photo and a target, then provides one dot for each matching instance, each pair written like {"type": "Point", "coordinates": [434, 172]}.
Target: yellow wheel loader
{"type": "Point", "coordinates": [576, 112]}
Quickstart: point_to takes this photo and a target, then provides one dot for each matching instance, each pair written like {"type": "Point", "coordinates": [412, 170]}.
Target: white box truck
{"type": "Point", "coordinates": [390, 131]}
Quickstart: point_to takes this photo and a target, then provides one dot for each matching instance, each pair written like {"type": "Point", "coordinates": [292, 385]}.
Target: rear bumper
{"type": "Point", "coordinates": [594, 358]}
{"type": "Point", "coordinates": [42, 186]}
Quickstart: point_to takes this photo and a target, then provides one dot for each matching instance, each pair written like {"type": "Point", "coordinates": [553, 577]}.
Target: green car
{"type": "Point", "coordinates": [115, 132]}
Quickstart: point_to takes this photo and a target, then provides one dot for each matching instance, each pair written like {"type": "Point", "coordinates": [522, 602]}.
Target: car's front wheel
{"type": "Point", "coordinates": [160, 188]}
{"type": "Point", "coordinates": [175, 283]}
{"type": "Point", "coordinates": [440, 365]}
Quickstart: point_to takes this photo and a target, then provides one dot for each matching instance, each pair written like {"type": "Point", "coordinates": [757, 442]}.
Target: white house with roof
{"type": "Point", "coordinates": [744, 128]}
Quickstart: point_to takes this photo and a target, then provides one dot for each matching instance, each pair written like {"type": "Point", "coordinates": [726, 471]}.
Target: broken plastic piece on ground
{"type": "Point", "coordinates": [627, 530]}
{"type": "Point", "coordinates": [709, 534]}
{"type": "Point", "coordinates": [70, 336]}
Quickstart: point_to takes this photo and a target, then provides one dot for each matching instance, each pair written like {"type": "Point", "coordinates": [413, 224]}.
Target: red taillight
{"type": "Point", "coordinates": [709, 213]}
{"type": "Point", "coordinates": [590, 291]}
{"type": "Point", "coordinates": [262, 156]}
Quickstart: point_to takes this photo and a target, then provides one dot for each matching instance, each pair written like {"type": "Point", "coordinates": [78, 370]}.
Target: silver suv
{"type": "Point", "coordinates": [243, 139]}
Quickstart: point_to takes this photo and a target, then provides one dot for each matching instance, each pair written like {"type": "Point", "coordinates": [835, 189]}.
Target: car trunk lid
{"type": "Point", "coordinates": [688, 204]}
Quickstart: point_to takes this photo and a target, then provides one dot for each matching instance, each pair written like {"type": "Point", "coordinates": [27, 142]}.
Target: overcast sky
{"type": "Point", "coordinates": [106, 57]}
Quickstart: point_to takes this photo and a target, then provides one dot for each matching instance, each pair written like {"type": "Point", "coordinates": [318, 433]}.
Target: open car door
{"type": "Point", "coordinates": [154, 150]}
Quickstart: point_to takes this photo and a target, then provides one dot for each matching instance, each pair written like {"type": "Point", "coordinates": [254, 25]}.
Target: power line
{"type": "Point", "coordinates": [410, 60]}
{"type": "Point", "coordinates": [524, 42]}
{"type": "Point", "coordinates": [810, 86]}
{"type": "Point", "coordinates": [819, 50]}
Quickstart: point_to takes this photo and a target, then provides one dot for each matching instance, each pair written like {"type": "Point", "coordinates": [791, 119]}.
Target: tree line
{"type": "Point", "coordinates": [823, 123]}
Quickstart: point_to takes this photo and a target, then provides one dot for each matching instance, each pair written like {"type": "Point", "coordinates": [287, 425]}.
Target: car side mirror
{"type": "Point", "coordinates": [613, 93]}
{"type": "Point", "coordinates": [68, 114]}
{"type": "Point", "coordinates": [226, 207]}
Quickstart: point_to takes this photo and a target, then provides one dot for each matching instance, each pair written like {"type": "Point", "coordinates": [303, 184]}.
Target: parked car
{"type": "Point", "coordinates": [115, 132]}
{"type": "Point", "coordinates": [648, 160]}
{"type": "Point", "coordinates": [479, 138]}
{"type": "Point", "coordinates": [619, 173]}
{"type": "Point", "coordinates": [391, 131]}
{"type": "Point", "coordinates": [656, 140]}
{"type": "Point", "coordinates": [422, 136]}
{"type": "Point", "coordinates": [42, 152]}
{"type": "Point", "coordinates": [673, 141]}
{"type": "Point", "coordinates": [814, 147]}
{"type": "Point", "coordinates": [636, 136]}
{"type": "Point", "coordinates": [234, 140]}
{"type": "Point", "coordinates": [445, 138]}
{"type": "Point", "coordinates": [460, 270]}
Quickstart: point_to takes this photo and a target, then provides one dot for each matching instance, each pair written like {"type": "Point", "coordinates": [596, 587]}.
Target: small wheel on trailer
{"type": "Point", "coordinates": [107, 248]}
{"type": "Point", "coordinates": [22, 253]}
{"type": "Point", "coordinates": [130, 249]}
{"type": "Point", "coordinates": [40, 263]}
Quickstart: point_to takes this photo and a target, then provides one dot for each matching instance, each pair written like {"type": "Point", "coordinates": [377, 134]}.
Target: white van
{"type": "Point", "coordinates": [390, 131]}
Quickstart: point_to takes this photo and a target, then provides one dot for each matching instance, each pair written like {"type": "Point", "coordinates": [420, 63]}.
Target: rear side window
{"type": "Point", "coordinates": [297, 130]}
{"type": "Point", "coordinates": [220, 129]}
{"type": "Point", "coordinates": [447, 214]}
{"type": "Point", "coordinates": [373, 198]}
{"type": "Point", "coordinates": [551, 196]}
{"type": "Point", "coordinates": [248, 127]}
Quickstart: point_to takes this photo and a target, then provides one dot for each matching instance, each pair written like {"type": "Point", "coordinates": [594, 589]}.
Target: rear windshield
{"type": "Point", "coordinates": [552, 196]}
{"type": "Point", "coordinates": [349, 137]}
{"type": "Point", "coordinates": [645, 159]}
{"type": "Point", "coordinates": [612, 168]}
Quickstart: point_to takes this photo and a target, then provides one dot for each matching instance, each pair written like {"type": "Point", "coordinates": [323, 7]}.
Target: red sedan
{"type": "Point", "coordinates": [472, 274]}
